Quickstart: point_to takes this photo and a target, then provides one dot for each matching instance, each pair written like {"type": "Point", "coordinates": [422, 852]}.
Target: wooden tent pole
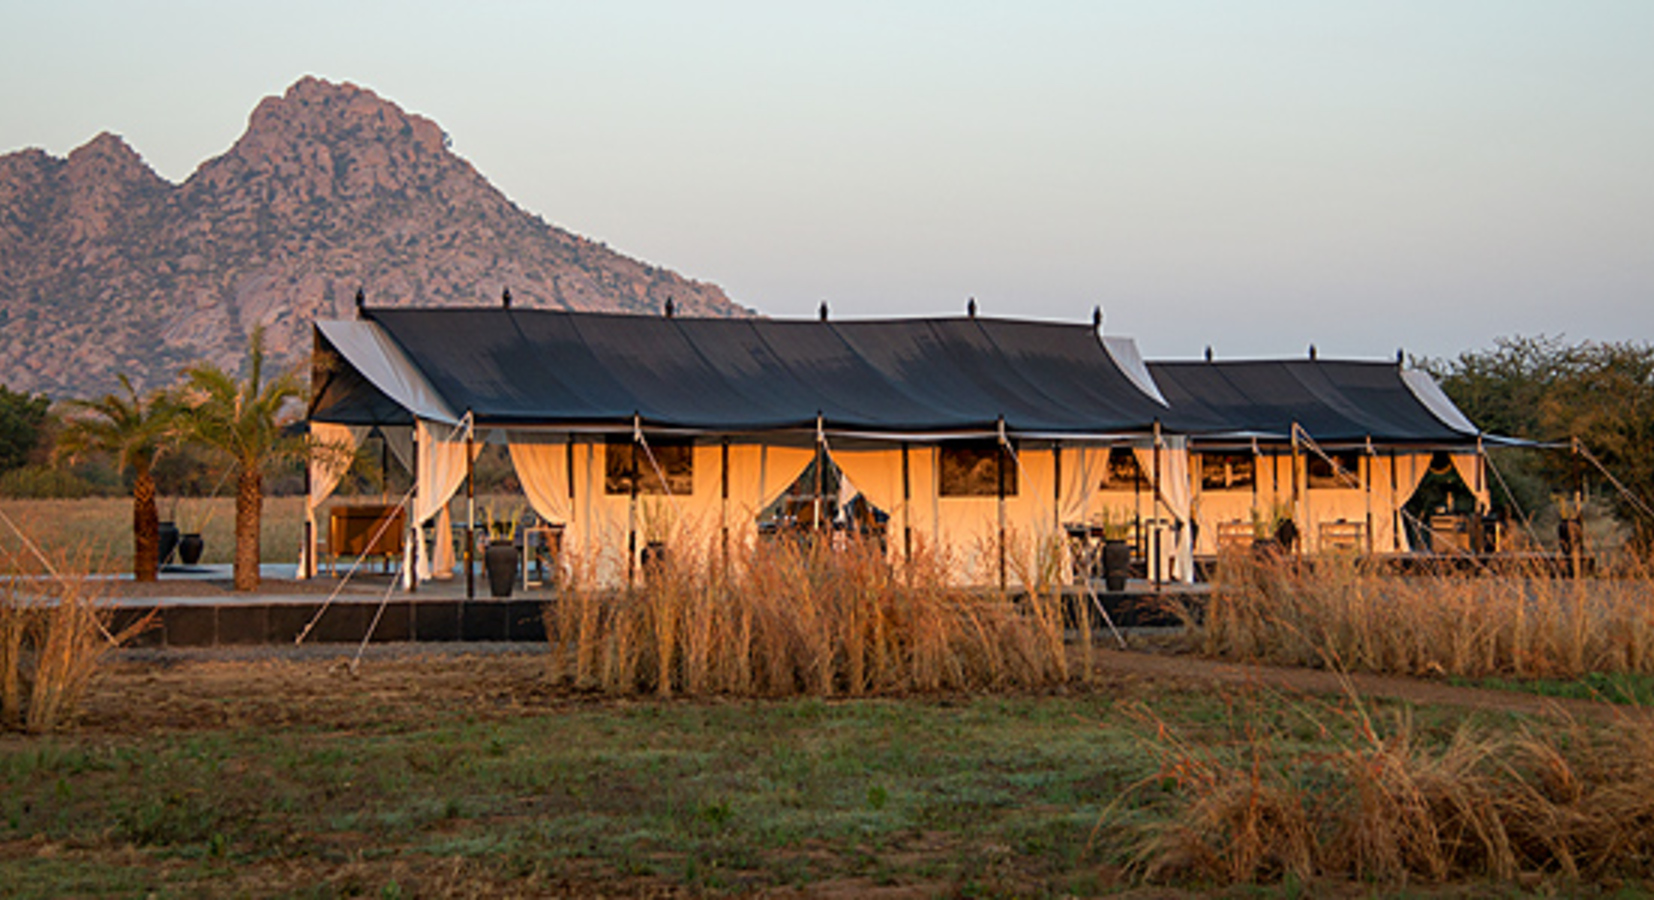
{"type": "Point", "coordinates": [999, 476]}
{"type": "Point", "coordinates": [1154, 505]}
{"type": "Point", "coordinates": [907, 508]}
{"type": "Point", "coordinates": [471, 515]}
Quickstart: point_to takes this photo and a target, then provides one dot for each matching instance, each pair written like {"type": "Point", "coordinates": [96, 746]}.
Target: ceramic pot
{"type": "Point", "coordinates": [1116, 564]}
{"type": "Point", "coordinates": [501, 562]}
{"type": "Point", "coordinates": [189, 549]}
{"type": "Point", "coordinates": [169, 541]}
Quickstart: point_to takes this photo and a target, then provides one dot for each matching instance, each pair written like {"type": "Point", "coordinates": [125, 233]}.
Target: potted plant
{"type": "Point", "coordinates": [500, 558]}
{"type": "Point", "coordinates": [658, 520]}
{"type": "Point", "coordinates": [1115, 528]}
{"type": "Point", "coordinates": [1273, 531]}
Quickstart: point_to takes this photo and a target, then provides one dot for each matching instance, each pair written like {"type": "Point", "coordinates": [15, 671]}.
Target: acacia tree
{"type": "Point", "coordinates": [1601, 393]}
{"type": "Point", "coordinates": [242, 418]}
{"type": "Point", "coordinates": [134, 430]}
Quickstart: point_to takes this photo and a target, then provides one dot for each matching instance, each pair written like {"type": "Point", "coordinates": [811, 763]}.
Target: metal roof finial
{"type": "Point", "coordinates": [505, 298]}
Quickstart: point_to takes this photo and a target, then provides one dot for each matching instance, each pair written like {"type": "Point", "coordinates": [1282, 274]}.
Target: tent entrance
{"type": "Point", "coordinates": [822, 501]}
{"type": "Point", "coordinates": [1441, 516]}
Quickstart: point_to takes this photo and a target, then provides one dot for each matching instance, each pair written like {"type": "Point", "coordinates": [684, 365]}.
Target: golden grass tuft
{"type": "Point", "coordinates": [1555, 799]}
{"type": "Point", "coordinates": [54, 634]}
{"type": "Point", "coordinates": [1522, 620]}
{"type": "Point", "coordinates": [821, 617]}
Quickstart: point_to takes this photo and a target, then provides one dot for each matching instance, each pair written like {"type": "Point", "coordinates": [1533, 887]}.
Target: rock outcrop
{"type": "Point", "coordinates": [106, 268]}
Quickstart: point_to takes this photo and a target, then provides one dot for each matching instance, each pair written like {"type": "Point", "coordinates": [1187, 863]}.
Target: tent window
{"type": "Point", "coordinates": [1227, 471]}
{"type": "Point", "coordinates": [1122, 472]}
{"type": "Point", "coordinates": [974, 469]}
{"type": "Point", "coordinates": [624, 459]}
{"type": "Point", "coordinates": [1347, 475]}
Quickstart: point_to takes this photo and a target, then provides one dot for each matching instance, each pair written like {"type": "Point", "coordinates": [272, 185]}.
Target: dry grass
{"type": "Point", "coordinates": [799, 617]}
{"type": "Point", "coordinates": [1556, 798]}
{"type": "Point", "coordinates": [1341, 614]}
{"type": "Point", "coordinates": [1387, 803]}
{"type": "Point", "coordinates": [54, 633]}
{"type": "Point", "coordinates": [103, 526]}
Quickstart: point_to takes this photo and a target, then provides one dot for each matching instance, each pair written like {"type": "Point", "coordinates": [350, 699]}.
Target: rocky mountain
{"type": "Point", "coordinates": [106, 268]}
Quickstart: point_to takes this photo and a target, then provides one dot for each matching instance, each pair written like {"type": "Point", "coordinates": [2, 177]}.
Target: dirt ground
{"type": "Point", "coordinates": [186, 691]}
{"type": "Point", "coordinates": [513, 684]}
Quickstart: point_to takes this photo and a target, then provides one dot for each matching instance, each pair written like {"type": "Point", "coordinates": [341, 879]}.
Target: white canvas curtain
{"type": "Point", "coordinates": [758, 475]}
{"type": "Point", "coordinates": [1082, 470]}
{"type": "Point", "coordinates": [1172, 480]}
{"type": "Point", "coordinates": [542, 466]}
{"type": "Point", "coordinates": [1469, 467]}
{"type": "Point", "coordinates": [327, 467]}
{"type": "Point", "coordinates": [877, 473]}
{"type": "Point", "coordinates": [441, 458]}
{"type": "Point", "coordinates": [1410, 471]}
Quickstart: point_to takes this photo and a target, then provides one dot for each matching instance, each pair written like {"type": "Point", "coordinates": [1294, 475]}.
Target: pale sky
{"type": "Point", "coordinates": [1252, 176]}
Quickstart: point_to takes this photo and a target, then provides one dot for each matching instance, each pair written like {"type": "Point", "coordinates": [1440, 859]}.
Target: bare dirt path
{"type": "Point", "coordinates": [150, 691]}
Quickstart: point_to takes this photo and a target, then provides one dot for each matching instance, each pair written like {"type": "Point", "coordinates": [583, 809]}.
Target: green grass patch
{"type": "Point", "coordinates": [1624, 688]}
{"type": "Point", "coordinates": [715, 796]}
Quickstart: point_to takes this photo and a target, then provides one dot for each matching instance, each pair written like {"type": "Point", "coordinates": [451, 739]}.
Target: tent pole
{"type": "Point", "coordinates": [412, 575]}
{"type": "Point", "coordinates": [631, 509]}
{"type": "Point", "coordinates": [471, 515]}
{"type": "Point", "coordinates": [907, 509]}
{"type": "Point", "coordinates": [1395, 504]}
{"type": "Point", "coordinates": [820, 485]}
{"type": "Point", "coordinates": [307, 557]}
{"type": "Point", "coordinates": [1577, 538]}
{"type": "Point", "coordinates": [1154, 506]}
{"type": "Point", "coordinates": [1296, 496]}
{"type": "Point", "coordinates": [723, 502]}
{"type": "Point", "coordinates": [1367, 490]}
{"type": "Point", "coordinates": [999, 475]}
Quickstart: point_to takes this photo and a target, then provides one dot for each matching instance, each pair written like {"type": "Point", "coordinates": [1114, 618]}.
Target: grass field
{"type": "Point", "coordinates": [101, 527]}
{"type": "Point", "coordinates": [572, 771]}
{"type": "Point", "coordinates": [469, 776]}
{"type": "Point", "coordinates": [464, 777]}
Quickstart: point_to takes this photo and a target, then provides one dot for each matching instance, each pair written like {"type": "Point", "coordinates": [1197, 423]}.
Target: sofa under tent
{"type": "Point", "coordinates": [968, 434]}
{"type": "Point", "coordinates": [1337, 446]}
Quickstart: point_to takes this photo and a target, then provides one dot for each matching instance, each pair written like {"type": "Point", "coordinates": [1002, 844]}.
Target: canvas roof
{"type": "Point", "coordinates": [1333, 401]}
{"type": "Point", "coordinates": [549, 368]}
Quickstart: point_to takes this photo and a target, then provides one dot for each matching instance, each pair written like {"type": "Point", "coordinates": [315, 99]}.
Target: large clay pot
{"type": "Point", "coordinates": [1116, 564]}
{"type": "Point", "coordinates": [501, 562]}
{"type": "Point", "coordinates": [189, 549]}
{"type": "Point", "coordinates": [169, 541]}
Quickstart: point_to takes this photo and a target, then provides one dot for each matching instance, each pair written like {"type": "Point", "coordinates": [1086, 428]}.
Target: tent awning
{"type": "Point", "coordinates": [592, 370]}
{"type": "Point", "coordinates": [1332, 401]}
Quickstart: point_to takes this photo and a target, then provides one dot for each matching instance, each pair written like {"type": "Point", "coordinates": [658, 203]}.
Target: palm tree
{"type": "Point", "coordinates": [241, 418]}
{"type": "Point", "coordinates": [134, 430]}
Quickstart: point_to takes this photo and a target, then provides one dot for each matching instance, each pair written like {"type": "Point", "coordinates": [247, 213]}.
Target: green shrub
{"type": "Point", "coordinates": [48, 483]}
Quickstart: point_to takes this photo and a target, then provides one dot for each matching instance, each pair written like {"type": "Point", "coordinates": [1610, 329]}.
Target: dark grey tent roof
{"type": "Point", "coordinates": [539, 367]}
{"type": "Point", "coordinates": [1330, 400]}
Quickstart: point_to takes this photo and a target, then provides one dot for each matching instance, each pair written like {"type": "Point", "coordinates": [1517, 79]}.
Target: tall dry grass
{"type": "Point", "coordinates": [817, 617]}
{"type": "Point", "coordinates": [54, 634]}
{"type": "Point", "coordinates": [103, 526]}
{"type": "Point", "coordinates": [1524, 620]}
{"type": "Point", "coordinates": [1557, 798]}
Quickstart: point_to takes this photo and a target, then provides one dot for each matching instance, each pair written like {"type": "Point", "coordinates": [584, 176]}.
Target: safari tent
{"type": "Point", "coordinates": [964, 434]}
{"type": "Point", "coordinates": [1338, 446]}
